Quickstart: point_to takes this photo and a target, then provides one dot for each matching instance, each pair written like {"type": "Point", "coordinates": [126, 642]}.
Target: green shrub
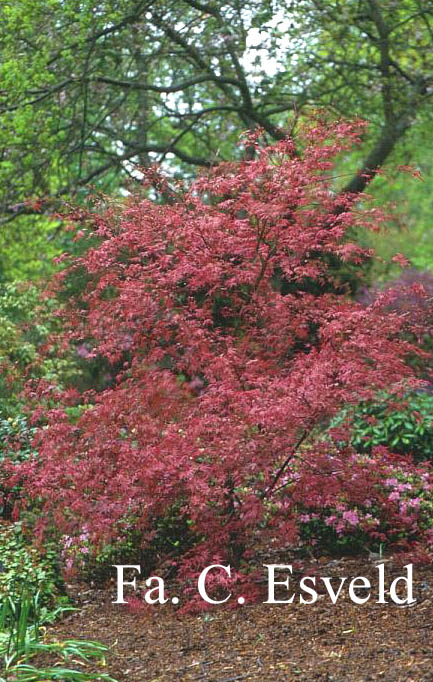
{"type": "Point", "coordinates": [22, 564]}
{"type": "Point", "coordinates": [405, 427]}
{"type": "Point", "coordinates": [15, 446]}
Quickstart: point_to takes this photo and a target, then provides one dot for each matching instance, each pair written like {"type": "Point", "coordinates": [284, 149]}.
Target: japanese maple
{"type": "Point", "coordinates": [230, 340]}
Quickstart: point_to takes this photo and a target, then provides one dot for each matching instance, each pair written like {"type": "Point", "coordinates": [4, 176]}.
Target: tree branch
{"type": "Point", "coordinates": [184, 85]}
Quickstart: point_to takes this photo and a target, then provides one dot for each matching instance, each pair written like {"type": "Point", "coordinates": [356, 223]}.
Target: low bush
{"type": "Point", "coordinates": [404, 426]}
{"type": "Point", "coordinates": [170, 536]}
{"type": "Point", "coordinates": [23, 564]}
{"type": "Point", "coordinates": [358, 501]}
{"type": "Point", "coordinates": [15, 446]}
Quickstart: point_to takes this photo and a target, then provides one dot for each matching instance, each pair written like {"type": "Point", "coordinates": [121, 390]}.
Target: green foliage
{"type": "Point", "coordinates": [26, 321]}
{"type": "Point", "coordinates": [28, 247]}
{"type": "Point", "coordinates": [411, 229]}
{"type": "Point", "coordinates": [16, 430]}
{"type": "Point", "coordinates": [15, 446]}
{"type": "Point", "coordinates": [24, 325]}
{"type": "Point", "coordinates": [18, 304]}
{"type": "Point", "coordinates": [405, 427]}
{"type": "Point", "coordinates": [23, 564]}
{"type": "Point", "coordinates": [172, 535]}
{"type": "Point", "coordinates": [21, 639]}
{"type": "Point", "coordinates": [89, 94]}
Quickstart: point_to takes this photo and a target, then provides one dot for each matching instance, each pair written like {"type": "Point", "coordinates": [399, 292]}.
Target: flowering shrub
{"type": "Point", "coordinates": [368, 499]}
{"type": "Point", "coordinates": [224, 357]}
{"type": "Point", "coordinates": [170, 536]}
{"type": "Point", "coordinates": [75, 551]}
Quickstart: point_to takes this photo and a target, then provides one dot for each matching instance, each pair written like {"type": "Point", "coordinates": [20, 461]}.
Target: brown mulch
{"type": "Point", "coordinates": [262, 642]}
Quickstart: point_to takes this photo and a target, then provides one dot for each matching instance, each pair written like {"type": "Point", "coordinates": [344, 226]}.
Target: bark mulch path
{"type": "Point", "coordinates": [262, 642]}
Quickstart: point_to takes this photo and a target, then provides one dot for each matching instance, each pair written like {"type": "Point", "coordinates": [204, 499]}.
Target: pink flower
{"type": "Point", "coordinates": [395, 495]}
{"type": "Point", "coordinates": [82, 351]}
{"type": "Point", "coordinates": [400, 259]}
{"type": "Point", "coordinates": [352, 517]}
{"type": "Point", "coordinates": [414, 503]}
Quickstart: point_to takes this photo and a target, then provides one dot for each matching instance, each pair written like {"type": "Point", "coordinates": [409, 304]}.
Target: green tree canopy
{"type": "Point", "coordinates": [91, 91]}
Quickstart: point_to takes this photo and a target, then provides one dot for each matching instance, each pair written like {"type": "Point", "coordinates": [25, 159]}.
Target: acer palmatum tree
{"type": "Point", "coordinates": [224, 361]}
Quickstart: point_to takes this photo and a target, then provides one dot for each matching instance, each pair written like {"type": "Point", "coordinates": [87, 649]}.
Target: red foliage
{"type": "Point", "coordinates": [227, 360]}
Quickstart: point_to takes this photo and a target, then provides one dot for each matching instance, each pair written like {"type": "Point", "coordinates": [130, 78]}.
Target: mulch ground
{"type": "Point", "coordinates": [262, 642]}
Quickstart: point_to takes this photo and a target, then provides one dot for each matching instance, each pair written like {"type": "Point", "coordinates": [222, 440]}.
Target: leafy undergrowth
{"type": "Point", "coordinates": [22, 638]}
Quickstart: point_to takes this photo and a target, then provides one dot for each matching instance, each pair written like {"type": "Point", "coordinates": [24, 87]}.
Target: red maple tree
{"type": "Point", "coordinates": [231, 339]}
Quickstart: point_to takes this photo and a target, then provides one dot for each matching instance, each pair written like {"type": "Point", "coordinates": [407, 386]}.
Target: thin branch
{"type": "Point", "coordinates": [284, 466]}
{"type": "Point", "coordinates": [41, 98]}
{"type": "Point", "coordinates": [49, 204]}
{"type": "Point", "coordinates": [184, 85]}
{"type": "Point", "coordinates": [129, 19]}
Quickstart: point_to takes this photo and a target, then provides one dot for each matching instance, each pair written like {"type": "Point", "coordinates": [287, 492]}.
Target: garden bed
{"type": "Point", "coordinates": [255, 642]}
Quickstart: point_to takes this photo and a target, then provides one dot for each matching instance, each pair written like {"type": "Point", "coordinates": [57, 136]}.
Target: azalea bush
{"type": "Point", "coordinates": [368, 501]}
{"type": "Point", "coordinates": [171, 537]}
{"type": "Point", "coordinates": [230, 340]}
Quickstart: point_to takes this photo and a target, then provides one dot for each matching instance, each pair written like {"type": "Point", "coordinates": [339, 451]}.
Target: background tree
{"type": "Point", "coordinates": [96, 89]}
